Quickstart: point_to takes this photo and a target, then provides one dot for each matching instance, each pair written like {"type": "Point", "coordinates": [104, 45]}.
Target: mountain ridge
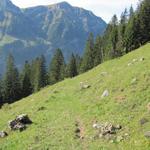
{"type": "Point", "coordinates": [43, 29]}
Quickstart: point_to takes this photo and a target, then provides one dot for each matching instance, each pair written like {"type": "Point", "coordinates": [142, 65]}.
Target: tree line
{"type": "Point", "coordinates": [15, 84]}
{"type": "Point", "coordinates": [121, 36]}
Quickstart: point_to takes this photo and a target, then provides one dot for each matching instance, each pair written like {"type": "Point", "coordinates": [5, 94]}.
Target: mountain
{"type": "Point", "coordinates": [27, 33]}
{"type": "Point", "coordinates": [62, 111]}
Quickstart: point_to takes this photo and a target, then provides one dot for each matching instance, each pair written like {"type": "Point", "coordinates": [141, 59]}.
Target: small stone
{"type": "Point", "coordinates": [126, 134]}
{"type": "Point", "coordinates": [84, 86]}
{"type": "Point", "coordinates": [118, 127]}
{"type": "Point", "coordinates": [101, 135]}
{"type": "Point", "coordinates": [119, 138]}
{"type": "Point", "coordinates": [134, 60]}
{"type": "Point", "coordinates": [104, 73]}
{"type": "Point", "coordinates": [129, 64]}
{"type": "Point", "coordinates": [96, 126]}
{"type": "Point", "coordinates": [143, 121]}
{"type": "Point", "coordinates": [142, 59]}
{"type": "Point", "coordinates": [112, 141]}
{"type": "Point", "coordinates": [105, 94]}
{"type": "Point", "coordinates": [147, 134]}
{"type": "Point", "coordinates": [133, 80]}
{"type": "Point", "coordinates": [3, 134]}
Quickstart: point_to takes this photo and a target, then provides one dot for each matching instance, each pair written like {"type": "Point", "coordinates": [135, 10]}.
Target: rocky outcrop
{"type": "Point", "coordinates": [19, 123]}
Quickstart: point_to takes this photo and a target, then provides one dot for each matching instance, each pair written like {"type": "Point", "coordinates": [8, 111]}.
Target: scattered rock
{"type": "Point", "coordinates": [129, 64]}
{"type": "Point", "coordinates": [96, 126]}
{"type": "Point", "coordinates": [143, 121]}
{"type": "Point", "coordinates": [142, 59]}
{"type": "Point", "coordinates": [104, 73]}
{"type": "Point", "coordinates": [118, 127]}
{"type": "Point", "coordinates": [19, 123]}
{"type": "Point", "coordinates": [3, 134]}
{"type": "Point", "coordinates": [119, 138]}
{"type": "Point", "coordinates": [105, 94]}
{"type": "Point", "coordinates": [133, 80]}
{"type": "Point", "coordinates": [84, 86]}
{"type": "Point", "coordinates": [134, 60]}
{"type": "Point", "coordinates": [106, 130]}
{"type": "Point", "coordinates": [147, 134]}
{"type": "Point", "coordinates": [126, 135]}
{"type": "Point", "coordinates": [79, 131]}
{"type": "Point", "coordinates": [41, 108]}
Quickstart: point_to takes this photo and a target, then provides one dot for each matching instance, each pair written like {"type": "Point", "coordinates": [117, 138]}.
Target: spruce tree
{"type": "Point", "coordinates": [72, 67]}
{"type": "Point", "coordinates": [57, 67]}
{"type": "Point", "coordinates": [144, 21]}
{"type": "Point", "coordinates": [11, 84]}
{"type": "Point", "coordinates": [131, 12]}
{"type": "Point", "coordinates": [78, 63]}
{"type": "Point", "coordinates": [26, 87]}
{"type": "Point", "coordinates": [114, 36]}
{"type": "Point", "coordinates": [88, 57]}
{"type": "Point", "coordinates": [98, 51]}
{"type": "Point", "coordinates": [40, 73]}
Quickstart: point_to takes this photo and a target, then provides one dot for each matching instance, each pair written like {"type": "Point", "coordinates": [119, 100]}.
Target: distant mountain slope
{"type": "Point", "coordinates": [27, 33]}
{"type": "Point", "coordinates": [57, 110]}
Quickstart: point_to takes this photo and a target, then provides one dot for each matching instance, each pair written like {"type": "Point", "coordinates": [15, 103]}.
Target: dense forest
{"type": "Point", "coordinates": [121, 36]}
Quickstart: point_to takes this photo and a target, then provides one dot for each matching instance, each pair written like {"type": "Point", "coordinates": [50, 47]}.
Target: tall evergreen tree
{"type": "Point", "coordinates": [132, 34]}
{"type": "Point", "coordinates": [88, 57]}
{"type": "Point", "coordinates": [40, 74]}
{"type": "Point", "coordinates": [78, 62]}
{"type": "Point", "coordinates": [11, 81]}
{"type": "Point", "coordinates": [131, 12]}
{"type": "Point", "coordinates": [57, 67]}
{"type": "Point", "coordinates": [114, 36]}
{"type": "Point", "coordinates": [144, 21]}
{"type": "Point", "coordinates": [26, 87]}
{"type": "Point", "coordinates": [98, 51]}
{"type": "Point", "coordinates": [122, 29]}
{"type": "Point", "coordinates": [72, 67]}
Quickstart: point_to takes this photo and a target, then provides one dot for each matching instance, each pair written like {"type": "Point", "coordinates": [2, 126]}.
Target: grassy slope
{"type": "Point", "coordinates": [65, 103]}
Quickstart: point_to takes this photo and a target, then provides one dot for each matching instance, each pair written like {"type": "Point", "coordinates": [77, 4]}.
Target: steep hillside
{"type": "Point", "coordinates": [57, 110]}
{"type": "Point", "coordinates": [43, 29]}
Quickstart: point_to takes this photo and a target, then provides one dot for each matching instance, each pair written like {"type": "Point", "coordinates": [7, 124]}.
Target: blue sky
{"type": "Point", "coordinates": [102, 8]}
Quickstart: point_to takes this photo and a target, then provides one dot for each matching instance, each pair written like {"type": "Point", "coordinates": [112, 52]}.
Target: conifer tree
{"type": "Point", "coordinates": [57, 67]}
{"type": "Point", "coordinates": [72, 67]}
{"type": "Point", "coordinates": [98, 51]}
{"type": "Point", "coordinates": [40, 73]}
{"type": "Point", "coordinates": [26, 87]}
{"type": "Point", "coordinates": [144, 21]}
{"type": "Point", "coordinates": [114, 36]}
{"type": "Point", "coordinates": [88, 57]}
{"type": "Point", "coordinates": [122, 29]}
{"type": "Point", "coordinates": [78, 62]}
{"type": "Point", "coordinates": [131, 12]}
{"type": "Point", "coordinates": [11, 81]}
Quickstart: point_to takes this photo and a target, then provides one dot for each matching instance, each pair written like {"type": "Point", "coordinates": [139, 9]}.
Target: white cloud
{"type": "Point", "coordinates": [102, 8]}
